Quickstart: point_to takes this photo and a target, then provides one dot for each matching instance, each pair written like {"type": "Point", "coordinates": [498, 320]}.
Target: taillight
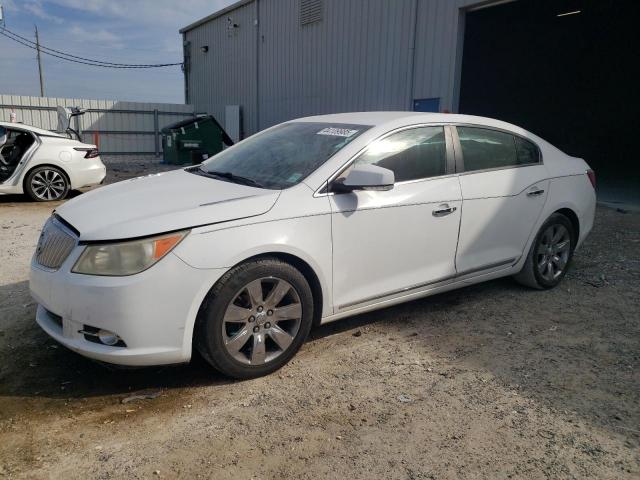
{"type": "Point", "coordinates": [592, 177]}
{"type": "Point", "coordinates": [90, 152]}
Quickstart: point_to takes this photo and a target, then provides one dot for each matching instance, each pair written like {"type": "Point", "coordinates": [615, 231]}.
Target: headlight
{"type": "Point", "coordinates": [126, 258]}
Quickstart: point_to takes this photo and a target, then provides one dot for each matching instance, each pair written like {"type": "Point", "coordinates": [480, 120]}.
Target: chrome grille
{"type": "Point", "coordinates": [54, 245]}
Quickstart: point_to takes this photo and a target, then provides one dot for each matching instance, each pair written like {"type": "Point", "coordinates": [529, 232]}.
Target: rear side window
{"type": "Point", "coordinates": [411, 154]}
{"type": "Point", "coordinates": [483, 149]}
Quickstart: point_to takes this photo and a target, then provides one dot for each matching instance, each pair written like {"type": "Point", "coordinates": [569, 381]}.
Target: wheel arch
{"type": "Point", "coordinates": [573, 218]}
{"type": "Point", "coordinates": [31, 169]}
{"type": "Point", "coordinates": [303, 266]}
{"type": "Point", "coordinates": [307, 271]}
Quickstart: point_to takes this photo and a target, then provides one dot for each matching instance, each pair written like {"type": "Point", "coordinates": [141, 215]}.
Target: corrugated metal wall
{"type": "Point", "coordinates": [438, 52]}
{"type": "Point", "coordinates": [363, 55]}
{"type": "Point", "coordinates": [356, 58]}
{"type": "Point", "coordinates": [226, 73]}
{"type": "Point", "coordinates": [123, 127]}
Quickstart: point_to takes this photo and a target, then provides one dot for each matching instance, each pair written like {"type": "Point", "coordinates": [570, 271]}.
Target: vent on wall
{"type": "Point", "coordinates": [310, 11]}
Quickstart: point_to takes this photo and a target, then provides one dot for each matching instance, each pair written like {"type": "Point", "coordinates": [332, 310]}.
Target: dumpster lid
{"type": "Point", "coordinates": [226, 139]}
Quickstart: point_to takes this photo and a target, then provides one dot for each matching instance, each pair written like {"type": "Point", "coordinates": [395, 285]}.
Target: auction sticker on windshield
{"type": "Point", "coordinates": [337, 132]}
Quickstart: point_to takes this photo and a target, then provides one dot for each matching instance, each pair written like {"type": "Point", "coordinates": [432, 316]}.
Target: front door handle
{"type": "Point", "coordinates": [534, 192]}
{"type": "Point", "coordinates": [443, 210]}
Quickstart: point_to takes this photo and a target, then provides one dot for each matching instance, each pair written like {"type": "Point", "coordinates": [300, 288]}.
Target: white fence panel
{"type": "Point", "coordinates": [120, 128]}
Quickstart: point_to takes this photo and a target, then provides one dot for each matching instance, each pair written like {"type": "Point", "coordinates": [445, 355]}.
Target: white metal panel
{"type": "Point", "coordinates": [122, 127]}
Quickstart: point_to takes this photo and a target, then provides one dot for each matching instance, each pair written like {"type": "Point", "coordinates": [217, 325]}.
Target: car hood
{"type": "Point", "coordinates": [161, 203]}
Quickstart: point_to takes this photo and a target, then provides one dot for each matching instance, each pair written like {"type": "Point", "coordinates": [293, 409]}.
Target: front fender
{"type": "Point", "coordinates": [307, 238]}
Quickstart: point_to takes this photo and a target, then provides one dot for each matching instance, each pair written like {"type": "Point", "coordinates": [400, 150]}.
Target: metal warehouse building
{"type": "Point", "coordinates": [560, 68]}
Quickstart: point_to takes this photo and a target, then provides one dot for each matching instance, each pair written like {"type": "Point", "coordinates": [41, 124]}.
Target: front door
{"type": "Point", "coordinates": [386, 243]}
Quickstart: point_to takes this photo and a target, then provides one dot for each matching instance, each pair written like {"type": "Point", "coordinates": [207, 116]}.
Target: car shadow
{"type": "Point", "coordinates": [533, 342]}
{"type": "Point", "coordinates": [23, 198]}
{"type": "Point", "coordinates": [37, 366]}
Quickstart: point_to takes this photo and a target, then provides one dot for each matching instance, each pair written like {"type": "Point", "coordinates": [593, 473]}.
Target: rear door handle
{"type": "Point", "coordinates": [534, 192]}
{"type": "Point", "coordinates": [443, 210]}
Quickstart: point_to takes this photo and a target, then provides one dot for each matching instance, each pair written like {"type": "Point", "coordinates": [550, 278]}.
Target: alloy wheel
{"type": "Point", "coordinates": [261, 321]}
{"type": "Point", "coordinates": [48, 185]}
{"type": "Point", "coordinates": [553, 252]}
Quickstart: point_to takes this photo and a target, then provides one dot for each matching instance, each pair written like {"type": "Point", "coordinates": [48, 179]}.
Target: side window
{"type": "Point", "coordinates": [527, 151]}
{"type": "Point", "coordinates": [482, 149]}
{"type": "Point", "coordinates": [411, 154]}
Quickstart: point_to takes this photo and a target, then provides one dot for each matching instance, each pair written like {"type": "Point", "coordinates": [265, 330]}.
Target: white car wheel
{"type": "Point", "coordinates": [47, 184]}
{"type": "Point", "coordinates": [255, 318]}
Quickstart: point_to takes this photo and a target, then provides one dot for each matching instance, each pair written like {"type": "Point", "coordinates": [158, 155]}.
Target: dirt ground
{"type": "Point", "coordinates": [490, 382]}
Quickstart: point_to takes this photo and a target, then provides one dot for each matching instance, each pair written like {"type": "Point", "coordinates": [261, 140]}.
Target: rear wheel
{"type": "Point", "coordinates": [46, 184]}
{"type": "Point", "coordinates": [255, 318]}
{"type": "Point", "coordinates": [550, 254]}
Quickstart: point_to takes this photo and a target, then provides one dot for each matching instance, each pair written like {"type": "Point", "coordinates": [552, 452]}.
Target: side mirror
{"type": "Point", "coordinates": [365, 177]}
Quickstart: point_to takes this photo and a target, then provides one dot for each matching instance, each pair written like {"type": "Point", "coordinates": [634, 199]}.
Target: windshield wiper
{"type": "Point", "coordinates": [232, 177]}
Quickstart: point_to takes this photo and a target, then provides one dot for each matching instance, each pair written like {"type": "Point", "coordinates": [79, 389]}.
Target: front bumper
{"type": "Point", "coordinates": [153, 312]}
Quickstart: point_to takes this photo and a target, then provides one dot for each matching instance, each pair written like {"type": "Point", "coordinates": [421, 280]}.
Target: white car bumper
{"type": "Point", "coordinates": [153, 312]}
{"type": "Point", "coordinates": [87, 173]}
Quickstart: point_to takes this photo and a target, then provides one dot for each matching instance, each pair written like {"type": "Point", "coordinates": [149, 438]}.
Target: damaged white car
{"type": "Point", "coordinates": [45, 165]}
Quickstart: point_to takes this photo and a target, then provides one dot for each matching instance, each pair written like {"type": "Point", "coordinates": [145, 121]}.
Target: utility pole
{"type": "Point", "coordinates": [39, 63]}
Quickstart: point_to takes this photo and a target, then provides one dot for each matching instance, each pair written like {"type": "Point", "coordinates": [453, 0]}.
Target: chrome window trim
{"type": "Point", "coordinates": [453, 142]}
{"type": "Point", "coordinates": [495, 169]}
{"type": "Point", "coordinates": [450, 158]}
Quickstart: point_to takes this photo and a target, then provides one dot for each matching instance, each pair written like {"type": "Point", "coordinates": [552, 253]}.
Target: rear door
{"type": "Point", "coordinates": [16, 153]}
{"type": "Point", "coordinates": [504, 187]}
{"type": "Point", "coordinates": [388, 243]}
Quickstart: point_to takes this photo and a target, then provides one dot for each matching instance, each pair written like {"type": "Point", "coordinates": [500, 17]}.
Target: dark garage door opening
{"type": "Point", "coordinates": [566, 70]}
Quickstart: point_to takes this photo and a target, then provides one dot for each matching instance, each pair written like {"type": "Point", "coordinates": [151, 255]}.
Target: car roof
{"type": "Point", "coordinates": [408, 118]}
{"type": "Point", "coordinates": [30, 128]}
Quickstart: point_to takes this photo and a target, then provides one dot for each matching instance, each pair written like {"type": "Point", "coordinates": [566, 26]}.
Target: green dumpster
{"type": "Point", "coordinates": [193, 140]}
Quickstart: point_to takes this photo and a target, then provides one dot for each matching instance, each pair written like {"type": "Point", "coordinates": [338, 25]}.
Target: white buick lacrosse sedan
{"type": "Point", "coordinates": [308, 222]}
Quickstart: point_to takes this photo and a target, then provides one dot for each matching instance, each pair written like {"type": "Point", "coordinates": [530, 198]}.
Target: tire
{"type": "Point", "coordinates": [46, 184]}
{"type": "Point", "coordinates": [243, 329]}
{"type": "Point", "coordinates": [550, 256]}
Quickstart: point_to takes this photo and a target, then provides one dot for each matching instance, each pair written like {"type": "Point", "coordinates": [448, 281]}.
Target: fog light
{"type": "Point", "coordinates": [102, 337]}
{"type": "Point", "coordinates": [108, 338]}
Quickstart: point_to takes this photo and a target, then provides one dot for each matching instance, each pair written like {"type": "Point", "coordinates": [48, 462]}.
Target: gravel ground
{"type": "Point", "coordinates": [493, 381]}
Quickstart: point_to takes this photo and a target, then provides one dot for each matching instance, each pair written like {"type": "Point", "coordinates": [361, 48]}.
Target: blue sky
{"type": "Point", "coordinates": [122, 31]}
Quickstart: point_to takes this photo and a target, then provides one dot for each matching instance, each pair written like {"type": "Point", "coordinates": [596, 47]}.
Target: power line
{"type": "Point", "coordinates": [74, 58]}
{"type": "Point", "coordinates": [42, 47]}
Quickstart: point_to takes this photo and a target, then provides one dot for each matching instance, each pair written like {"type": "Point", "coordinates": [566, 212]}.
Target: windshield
{"type": "Point", "coordinates": [282, 156]}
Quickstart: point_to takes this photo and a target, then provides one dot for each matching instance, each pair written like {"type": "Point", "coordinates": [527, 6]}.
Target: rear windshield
{"type": "Point", "coordinates": [283, 156]}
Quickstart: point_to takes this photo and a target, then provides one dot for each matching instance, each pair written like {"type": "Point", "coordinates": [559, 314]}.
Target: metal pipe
{"type": "Point", "coordinates": [156, 131]}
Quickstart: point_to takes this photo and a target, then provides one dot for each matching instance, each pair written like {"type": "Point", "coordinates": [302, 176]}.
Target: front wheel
{"type": "Point", "coordinates": [46, 184]}
{"type": "Point", "coordinates": [255, 318]}
{"type": "Point", "coordinates": [550, 254]}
